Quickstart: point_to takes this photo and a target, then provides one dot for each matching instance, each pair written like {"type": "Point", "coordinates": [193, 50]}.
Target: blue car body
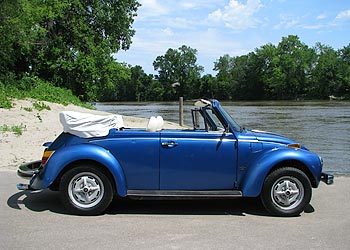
{"type": "Point", "coordinates": [218, 157]}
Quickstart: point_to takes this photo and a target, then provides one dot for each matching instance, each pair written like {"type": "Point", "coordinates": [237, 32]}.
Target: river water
{"type": "Point", "coordinates": [322, 126]}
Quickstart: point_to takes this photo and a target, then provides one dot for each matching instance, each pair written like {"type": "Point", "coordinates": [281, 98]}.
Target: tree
{"type": "Point", "coordinates": [67, 42]}
{"type": "Point", "coordinates": [178, 71]}
{"type": "Point", "coordinates": [238, 77]}
{"type": "Point", "coordinates": [20, 32]}
{"type": "Point", "coordinates": [207, 87]}
{"type": "Point", "coordinates": [135, 88]}
{"type": "Point", "coordinates": [344, 71]}
{"type": "Point", "coordinates": [286, 69]}
{"type": "Point", "coordinates": [296, 60]}
{"type": "Point", "coordinates": [324, 82]}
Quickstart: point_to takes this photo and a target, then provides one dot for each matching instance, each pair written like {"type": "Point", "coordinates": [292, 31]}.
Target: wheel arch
{"type": "Point", "coordinates": [305, 161]}
{"type": "Point", "coordinates": [101, 167]}
{"type": "Point", "coordinates": [298, 165]}
{"type": "Point", "coordinates": [66, 158]}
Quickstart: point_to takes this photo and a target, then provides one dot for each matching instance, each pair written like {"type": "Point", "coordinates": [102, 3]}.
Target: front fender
{"type": "Point", "coordinates": [65, 156]}
{"type": "Point", "coordinates": [253, 181]}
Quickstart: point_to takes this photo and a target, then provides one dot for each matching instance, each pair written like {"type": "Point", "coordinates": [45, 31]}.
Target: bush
{"type": "Point", "coordinates": [34, 87]}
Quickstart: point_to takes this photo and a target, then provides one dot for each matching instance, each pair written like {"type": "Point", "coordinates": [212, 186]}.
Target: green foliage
{"type": "Point", "coordinates": [41, 106]}
{"type": "Point", "coordinates": [5, 101]}
{"type": "Point", "coordinates": [16, 129]}
{"type": "Point", "coordinates": [290, 70]}
{"type": "Point", "coordinates": [33, 87]}
{"type": "Point", "coordinates": [28, 109]}
{"type": "Point", "coordinates": [67, 43]}
{"type": "Point", "coordinates": [178, 71]}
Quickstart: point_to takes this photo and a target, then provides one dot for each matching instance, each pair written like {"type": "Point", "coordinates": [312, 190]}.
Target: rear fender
{"type": "Point", "coordinates": [253, 181]}
{"type": "Point", "coordinates": [67, 155]}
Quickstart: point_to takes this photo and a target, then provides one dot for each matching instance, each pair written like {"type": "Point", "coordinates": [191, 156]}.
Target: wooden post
{"type": "Point", "coordinates": [181, 111]}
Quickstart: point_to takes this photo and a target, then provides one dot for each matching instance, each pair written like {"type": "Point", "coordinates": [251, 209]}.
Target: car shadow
{"type": "Point", "coordinates": [46, 200]}
{"type": "Point", "coordinates": [237, 207]}
{"type": "Point", "coordinates": [37, 201]}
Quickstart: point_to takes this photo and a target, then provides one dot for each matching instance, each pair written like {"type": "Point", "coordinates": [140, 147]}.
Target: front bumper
{"type": "Point", "coordinates": [327, 178]}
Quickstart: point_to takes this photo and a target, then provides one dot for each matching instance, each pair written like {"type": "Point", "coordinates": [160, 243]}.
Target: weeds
{"type": "Point", "coordinates": [41, 106]}
{"type": "Point", "coordinates": [34, 87]}
{"type": "Point", "coordinates": [39, 117]}
{"type": "Point", "coordinates": [16, 129]}
{"type": "Point", "coordinates": [27, 109]}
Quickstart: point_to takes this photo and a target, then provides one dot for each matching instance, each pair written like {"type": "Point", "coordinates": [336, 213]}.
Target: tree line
{"type": "Point", "coordinates": [71, 44]}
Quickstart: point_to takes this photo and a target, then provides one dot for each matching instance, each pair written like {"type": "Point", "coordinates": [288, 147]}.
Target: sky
{"type": "Point", "coordinates": [234, 27]}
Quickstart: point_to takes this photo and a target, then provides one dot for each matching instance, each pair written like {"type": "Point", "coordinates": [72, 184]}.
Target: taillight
{"type": "Point", "coordinates": [46, 156]}
{"type": "Point", "coordinates": [294, 145]}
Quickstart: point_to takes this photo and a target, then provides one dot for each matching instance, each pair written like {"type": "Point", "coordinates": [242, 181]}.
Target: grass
{"type": "Point", "coordinates": [41, 106]}
{"type": "Point", "coordinates": [33, 87]}
{"type": "Point", "coordinates": [16, 129]}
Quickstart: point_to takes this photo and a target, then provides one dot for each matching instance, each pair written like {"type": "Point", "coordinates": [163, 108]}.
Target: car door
{"type": "Point", "coordinates": [197, 160]}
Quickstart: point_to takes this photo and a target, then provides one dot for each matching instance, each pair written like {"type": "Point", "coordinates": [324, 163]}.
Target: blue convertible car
{"type": "Point", "coordinates": [214, 159]}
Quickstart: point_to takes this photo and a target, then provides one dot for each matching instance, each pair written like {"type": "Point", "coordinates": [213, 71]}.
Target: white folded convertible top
{"type": "Point", "coordinates": [88, 125]}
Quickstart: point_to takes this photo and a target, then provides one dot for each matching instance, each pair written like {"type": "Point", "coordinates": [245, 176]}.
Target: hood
{"type": "Point", "coordinates": [271, 137]}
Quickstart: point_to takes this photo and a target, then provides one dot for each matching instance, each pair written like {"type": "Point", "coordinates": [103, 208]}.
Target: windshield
{"type": "Point", "coordinates": [228, 118]}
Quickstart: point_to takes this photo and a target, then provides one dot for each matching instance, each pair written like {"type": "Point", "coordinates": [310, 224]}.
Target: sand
{"type": "Point", "coordinates": [39, 127]}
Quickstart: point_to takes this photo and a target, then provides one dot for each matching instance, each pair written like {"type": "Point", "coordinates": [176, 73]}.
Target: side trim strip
{"type": "Point", "coordinates": [185, 193]}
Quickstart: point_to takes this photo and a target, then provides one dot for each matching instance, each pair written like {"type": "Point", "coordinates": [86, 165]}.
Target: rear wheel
{"type": "Point", "coordinates": [286, 192]}
{"type": "Point", "coordinates": [86, 190]}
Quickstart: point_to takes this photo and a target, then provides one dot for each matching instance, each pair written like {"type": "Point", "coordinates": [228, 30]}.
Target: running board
{"type": "Point", "coordinates": [185, 193]}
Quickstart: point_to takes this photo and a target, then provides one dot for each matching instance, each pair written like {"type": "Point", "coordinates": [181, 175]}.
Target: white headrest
{"type": "Point", "coordinates": [155, 124]}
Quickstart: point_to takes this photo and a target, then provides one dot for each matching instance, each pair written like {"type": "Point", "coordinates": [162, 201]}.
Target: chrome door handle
{"type": "Point", "coordinates": [169, 144]}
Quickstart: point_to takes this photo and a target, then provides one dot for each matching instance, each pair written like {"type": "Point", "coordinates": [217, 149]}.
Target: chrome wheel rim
{"type": "Point", "coordinates": [287, 192]}
{"type": "Point", "coordinates": [85, 190]}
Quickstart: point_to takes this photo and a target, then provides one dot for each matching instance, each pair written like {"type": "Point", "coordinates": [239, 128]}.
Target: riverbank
{"type": "Point", "coordinates": [30, 123]}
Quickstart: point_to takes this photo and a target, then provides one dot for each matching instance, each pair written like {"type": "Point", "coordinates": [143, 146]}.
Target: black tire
{"type": "Point", "coordinates": [86, 190]}
{"type": "Point", "coordinates": [286, 192]}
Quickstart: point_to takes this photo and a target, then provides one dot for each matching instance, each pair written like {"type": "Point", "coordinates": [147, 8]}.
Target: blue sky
{"type": "Point", "coordinates": [234, 27]}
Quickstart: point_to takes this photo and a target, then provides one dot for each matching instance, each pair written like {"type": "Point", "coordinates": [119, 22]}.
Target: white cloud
{"type": "Point", "coordinates": [287, 22]}
{"type": "Point", "coordinates": [168, 32]}
{"type": "Point", "coordinates": [199, 4]}
{"type": "Point", "coordinates": [236, 15]}
{"type": "Point", "coordinates": [343, 15]}
{"type": "Point", "coordinates": [321, 16]}
{"type": "Point", "coordinates": [151, 8]}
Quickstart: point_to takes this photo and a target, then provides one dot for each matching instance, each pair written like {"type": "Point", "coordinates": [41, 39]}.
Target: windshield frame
{"type": "Point", "coordinates": [228, 118]}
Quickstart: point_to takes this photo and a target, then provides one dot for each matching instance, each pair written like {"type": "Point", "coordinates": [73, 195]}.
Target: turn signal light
{"type": "Point", "coordinates": [294, 145]}
{"type": "Point", "coordinates": [46, 156]}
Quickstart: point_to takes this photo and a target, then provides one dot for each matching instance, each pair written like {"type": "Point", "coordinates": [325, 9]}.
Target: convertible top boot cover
{"type": "Point", "coordinates": [88, 125]}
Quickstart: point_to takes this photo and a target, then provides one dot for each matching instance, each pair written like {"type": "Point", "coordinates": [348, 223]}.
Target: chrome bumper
{"type": "Point", "coordinates": [327, 178]}
{"type": "Point", "coordinates": [21, 186]}
{"type": "Point", "coordinates": [27, 171]}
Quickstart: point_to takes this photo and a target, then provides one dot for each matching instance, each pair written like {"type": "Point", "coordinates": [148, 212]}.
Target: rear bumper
{"type": "Point", "coordinates": [21, 186]}
{"type": "Point", "coordinates": [28, 171]}
{"type": "Point", "coordinates": [327, 178]}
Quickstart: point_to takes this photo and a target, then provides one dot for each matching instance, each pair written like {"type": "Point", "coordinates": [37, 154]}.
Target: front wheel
{"type": "Point", "coordinates": [286, 192]}
{"type": "Point", "coordinates": [86, 190]}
